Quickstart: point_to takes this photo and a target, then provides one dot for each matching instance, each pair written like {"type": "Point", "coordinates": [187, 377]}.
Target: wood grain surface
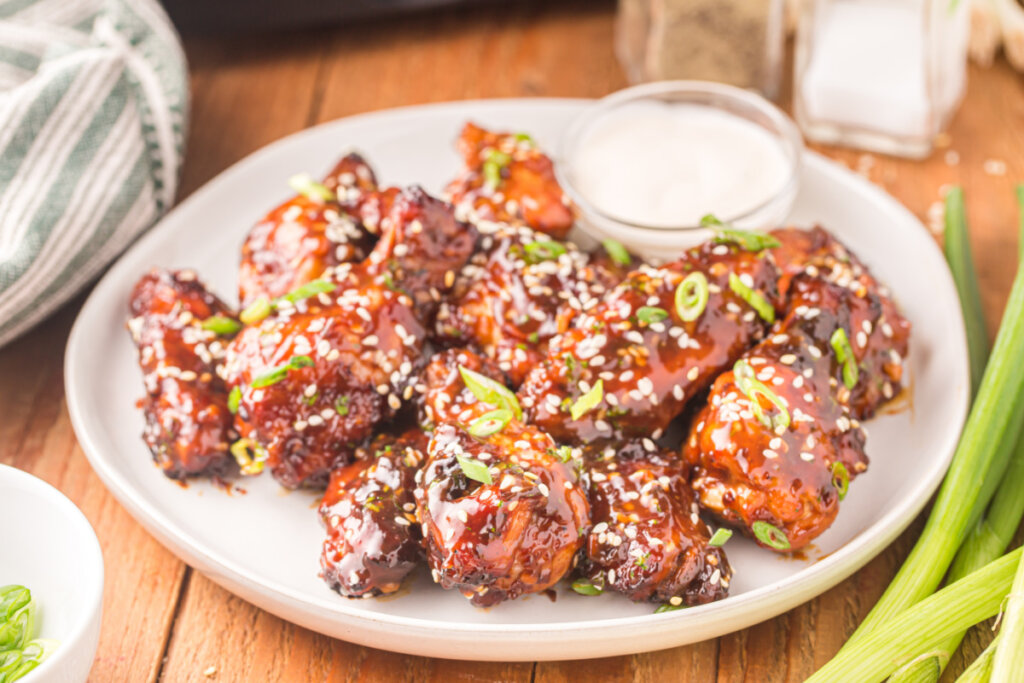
{"type": "Point", "coordinates": [163, 621]}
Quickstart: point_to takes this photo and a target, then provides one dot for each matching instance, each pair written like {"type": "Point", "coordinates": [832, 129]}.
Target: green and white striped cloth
{"type": "Point", "coordinates": [93, 108]}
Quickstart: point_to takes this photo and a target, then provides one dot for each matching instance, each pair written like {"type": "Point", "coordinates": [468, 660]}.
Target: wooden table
{"type": "Point", "coordinates": [164, 621]}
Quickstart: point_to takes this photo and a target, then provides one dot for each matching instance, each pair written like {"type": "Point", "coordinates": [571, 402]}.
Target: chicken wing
{"type": "Point", "coordinates": [444, 396]}
{"type": "Point", "coordinates": [503, 515]}
{"type": "Point", "coordinates": [308, 234]}
{"type": "Point", "coordinates": [181, 331]}
{"type": "Point", "coordinates": [507, 179]}
{"type": "Point", "coordinates": [316, 376]}
{"type": "Point", "coordinates": [632, 361]}
{"type": "Point", "coordinates": [775, 448]}
{"type": "Point", "coordinates": [647, 539]}
{"type": "Point", "coordinates": [373, 539]}
{"type": "Point", "coordinates": [518, 290]}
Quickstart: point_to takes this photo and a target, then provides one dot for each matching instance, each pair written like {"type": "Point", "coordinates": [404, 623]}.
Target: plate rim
{"type": "Point", "coordinates": [802, 586]}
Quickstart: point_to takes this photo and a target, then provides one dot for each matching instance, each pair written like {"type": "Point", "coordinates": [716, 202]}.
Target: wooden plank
{"type": "Point", "coordinates": [142, 578]}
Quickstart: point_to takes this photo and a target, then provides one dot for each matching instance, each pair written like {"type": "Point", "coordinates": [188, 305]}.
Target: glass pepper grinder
{"type": "Point", "coordinates": [738, 42]}
{"type": "Point", "coordinates": [883, 75]}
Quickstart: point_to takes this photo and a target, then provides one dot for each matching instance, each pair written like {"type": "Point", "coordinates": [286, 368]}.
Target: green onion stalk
{"type": "Point", "coordinates": [980, 670]}
{"type": "Point", "coordinates": [981, 458]}
{"type": "Point", "coordinates": [924, 626]}
{"type": "Point", "coordinates": [958, 255]}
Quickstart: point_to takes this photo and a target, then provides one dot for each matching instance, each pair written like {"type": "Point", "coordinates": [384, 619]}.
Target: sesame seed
{"type": "Point", "coordinates": [807, 457]}
{"type": "Point", "coordinates": [692, 374]}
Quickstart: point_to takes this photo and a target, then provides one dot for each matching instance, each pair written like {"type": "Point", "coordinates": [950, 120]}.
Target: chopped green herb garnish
{"type": "Point", "coordinates": [719, 538]}
{"type": "Point", "coordinates": [668, 608]}
{"type": "Point", "coordinates": [341, 405]}
{"type": "Point", "coordinates": [651, 314]}
{"type": "Point", "coordinates": [546, 250]}
{"type": "Point", "coordinates": [490, 423]}
{"type": "Point", "coordinates": [563, 453]}
{"type": "Point", "coordinates": [474, 469]}
{"type": "Point", "coordinates": [304, 184]}
{"type": "Point", "coordinates": [494, 161]}
{"type": "Point", "coordinates": [533, 337]}
{"type": "Point", "coordinates": [618, 253]}
{"type": "Point", "coordinates": [311, 288]}
{"type": "Point", "coordinates": [249, 455]}
{"type": "Point", "coordinates": [746, 239]}
{"type": "Point", "coordinates": [20, 651]}
{"type": "Point", "coordinates": [692, 296]}
{"type": "Point", "coordinates": [524, 137]}
{"type": "Point", "coordinates": [256, 311]}
{"type": "Point", "coordinates": [756, 301]}
{"type": "Point", "coordinates": [770, 535]}
{"type": "Point", "coordinates": [233, 399]}
{"type": "Point", "coordinates": [586, 587]}
{"type": "Point", "coordinates": [840, 478]}
{"type": "Point", "coordinates": [491, 391]}
{"type": "Point", "coordinates": [222, 325]}
{"type": "Point", "coordinates": [844, 354]}
{"type": "Point", "coordinates": [754, 389]}
{"type": "Point", "coordinates": [275, 375]}
{"type": "Point", "coordinates": [588, 401]}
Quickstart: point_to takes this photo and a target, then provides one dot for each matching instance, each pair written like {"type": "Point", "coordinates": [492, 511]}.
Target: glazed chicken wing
{"type": "Point", "coordinates": [188, 425]}
{"type": "Point", "coordinates": [317, 375]}
{"type": "Point", "coordinates": [308, 234]}
{"type": "Point", "coordinates": [508, 179]}
{"type": "Point", "coordinates": [518, 290]}
{"type": "Point", "coordinates": [775, 447]}
{"type": "Point", "coordinates": [444, 396]}
{"type": "Point", "coordinates": [632, 361]}
{"type": "Point", "coordinates": [503, 515]}
{"type": "Point", "coordinates": [373, 540]}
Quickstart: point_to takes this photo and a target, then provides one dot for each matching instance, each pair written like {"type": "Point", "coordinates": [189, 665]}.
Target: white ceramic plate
{"type": "Point", "coordinates": [264, 546]}
{"type": "Point", "coordinates": [49, 547]}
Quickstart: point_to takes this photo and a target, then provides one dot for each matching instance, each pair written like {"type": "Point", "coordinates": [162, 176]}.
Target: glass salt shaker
{"type": "Point", "coordinates": [737, 42]}
{"type": "Point", "coordinates": [882, 75]}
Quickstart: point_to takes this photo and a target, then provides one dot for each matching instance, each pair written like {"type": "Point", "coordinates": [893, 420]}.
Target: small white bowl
{"type": "Point", "coordinates": [48, 546]}
{"type": "Point", "coordinates": [661, 242]}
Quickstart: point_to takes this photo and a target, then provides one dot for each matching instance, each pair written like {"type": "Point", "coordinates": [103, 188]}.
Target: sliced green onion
{"type": "Point", "coordinates": [490, 391]}
{"type": "Point", "coordinates": [754, 389]}
{"type": "Point", "coordinates": [233, 399]}
{"type": "Point", "coordinates": [275, 375]}
{"type": "Point", "coordinates": [719, 538]}
{"type": "Point", "coordinates": [770, 535]}
{"type": "Point", "coordinates": [490, 423]}
{"type": "Point", "coordinates": [840, 478]}
{"type": "Point", "coordinates": [249, 463]}
{"type": "Point", "coordinates": [474, 469]}
{"type": "Point", "coordinates": [586, 587]}
{"type": "Point", "coordinates": [922, 627]}
{"type": "Point", "coordinates": [256, 311]}
{"type": "Point", "coordinates": [563, 453]}
{"type": "Point", "coordinates": [758, 302]}
{"type": "Point", "coordinates": [311, 288]}
{"type": "Point", "coordinates": [651, 314]}
{"type": "Point", "coordinates": [750, 241]}
{"type": "Point", "coordinates": [618, 253]}
{"type": "Point", "coordinates": [494, 161]}
{"type": "Point", "coordinates": [304, 184]}
{"type": "Point", "coordinates": [341, 405]}
{"type": "Point", "coordinates": [222, 325]}
{"type": "Point", "coordinates": [15, 664]}
{"type": "Point", "coordinates": [17, 617]}
{"type": "Point", "coordinates": [524, 137]}
{"type": "Point", "coordinates": [844, 354]}
{"type": "Point", "coordinates": [669, 608]}
{"type": "Point", "coordinates": [692, 296]}
{"type": "Point", "coordinates": [547, 250]}
{"type": "Point", "coordinates": [588, 401]}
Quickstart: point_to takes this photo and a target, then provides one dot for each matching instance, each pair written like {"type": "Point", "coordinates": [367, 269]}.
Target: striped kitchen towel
{"type": "Point", "coordinates": [93, 108]}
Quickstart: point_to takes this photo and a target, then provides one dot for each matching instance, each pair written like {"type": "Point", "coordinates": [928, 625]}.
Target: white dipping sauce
{"type": "Point", "coordinates": [668, 165]}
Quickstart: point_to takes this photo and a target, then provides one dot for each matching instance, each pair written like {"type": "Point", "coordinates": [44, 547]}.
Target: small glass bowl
{"type": "Point", "coordinates": [660, 242]}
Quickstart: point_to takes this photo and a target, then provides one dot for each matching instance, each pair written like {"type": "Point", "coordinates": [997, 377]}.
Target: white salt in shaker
{"type": "Point", "coordinates": [884, 75]}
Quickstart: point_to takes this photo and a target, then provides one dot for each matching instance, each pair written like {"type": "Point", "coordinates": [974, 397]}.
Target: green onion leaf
{"type": "Point", "coordinates": [669, 608]}
{"type": "Point", "coordinates": [474, 469]}
{"type": "Point", "coordinates": [588, 401]}
{"type": "Point", "coordinates": [249, 455]}
{"type": "Point", "coordinates": [651, 314]}
{"type": "Point", "coordinates": [275, 375]}
{"type": "Point", "coordinates": [222, 325]}
{"type": "Point", "coordinates": [494, 161]}
{"type": "Point", "coordinates": [525, 137]}
{"type": "Point", "coordinates": [770, 535]}
{"type": "Point", "coordinates": [618, 253]}
{"type": "Point", "coordinates": [233, 399]}
{"type": "Point", "coordinates": [341, 405]}
{"type": "Point", "coordinates": [304, 184]}
{"type": "Point", "coordinates": [840, 478]}
{"type": "Point", "coordinates": [311, 288]}
{"type": "Point", "coordinates": [746, 239]}
{"type": "Point", "coordinates": [563, 453]}
{"type": "Point", "coordinates": [586, 587]}
{"type": "Point", "coordinates": [754, 389]}
{"type": "Point", "coordinates": [844, 354]}
{"type": "Point", "coordinates": [719, 538]}
{"type": "Point", "coordinates": [490, 423]}
{"type": "Point", "coordinates": [758, 302]}
{"type": "Point", "coordinates": [490, 391]}
{"type": "Point", "coordinates": [548, 250]}
{"type": "Point", "coordinates": [256, 311]}
{"type": "Point", "coordinates": [692, 296]}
